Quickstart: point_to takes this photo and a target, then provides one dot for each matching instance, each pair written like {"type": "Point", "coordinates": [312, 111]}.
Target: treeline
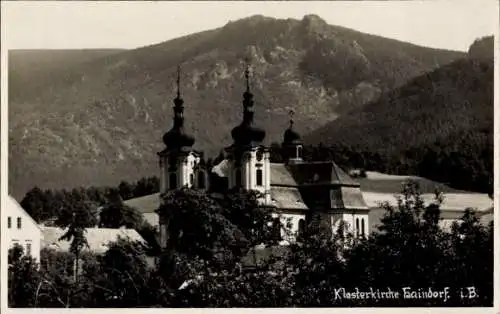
{"type": "Point", "coordinates": [211, 236]}
{"type": "Point", "coordinates": [43, 205]}
{"type": "Point", "coordinates": [463, 160]}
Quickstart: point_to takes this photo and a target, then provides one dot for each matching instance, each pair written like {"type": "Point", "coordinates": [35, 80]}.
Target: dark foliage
{"type": "Point", "coordinates": [409, 249]}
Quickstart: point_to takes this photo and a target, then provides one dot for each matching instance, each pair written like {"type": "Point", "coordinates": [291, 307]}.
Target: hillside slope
{"type": "Point", "coordinates": [438, 125]}
{"type": "Point", "coordinates": [30, 70]}
{"type": "Point", "coordinates": [102, 120]}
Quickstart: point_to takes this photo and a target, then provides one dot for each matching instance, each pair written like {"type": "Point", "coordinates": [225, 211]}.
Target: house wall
{"type": "Point", "coordinates": [446, 224]}
{"type": "Point", "coordinates": [185, 168]}
{"type": "Point", "coordinates": [27, 234]}
{"type": "Point", "coordinates": [293, 219]}
{"type": "Point", "coordinates": [350, 223]}
{"type": "Point", "coordinates": [249, 167]}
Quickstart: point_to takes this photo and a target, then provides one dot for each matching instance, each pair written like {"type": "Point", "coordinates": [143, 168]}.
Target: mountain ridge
{"type": "Point", "coordinates": [93, 123]}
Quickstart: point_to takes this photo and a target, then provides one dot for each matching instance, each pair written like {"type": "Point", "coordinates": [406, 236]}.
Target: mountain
{"type": "Point", "coordinates": [449, 110]}
{"type": "Point", "coordinates": [101, 120]}
{"type": "Point", "coordinates": [29, 70]}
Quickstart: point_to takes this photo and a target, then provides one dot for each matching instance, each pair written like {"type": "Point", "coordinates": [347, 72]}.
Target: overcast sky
{"type": "Point", "coordinates": [450, 24]}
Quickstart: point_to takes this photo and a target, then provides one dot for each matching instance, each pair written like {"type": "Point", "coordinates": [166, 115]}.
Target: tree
{"type": "Point", "coordinates": [197, 225]}
{"type": "Point", "coordinates": [23, 278]}
{"type": "Point", "coordinates": [33, 202]}
{"type": "Point", "coordinates": [76, 234]}
{"type": "Point", "coordinates": [126, 275]}
{"type": "Point", "coordinates": [116, 214]}
{"type": "Point", "coordinates": [126, 190]}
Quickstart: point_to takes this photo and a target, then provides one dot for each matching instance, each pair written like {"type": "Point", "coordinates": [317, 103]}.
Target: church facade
{"type": "Point", "coordinates": [299, 192]}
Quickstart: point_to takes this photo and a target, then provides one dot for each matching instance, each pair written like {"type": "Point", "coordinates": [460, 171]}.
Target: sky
{"type": "Point", "coordinates": [448, 24]}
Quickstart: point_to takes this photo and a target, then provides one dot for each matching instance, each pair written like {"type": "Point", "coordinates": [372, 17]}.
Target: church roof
{"type": "Point", "coordinates": [280, 175]}
{"type": "Point", "coordinates": [352, 198]}
{"type": "Point", "coordinates": [306, 173]}
{"type": "Point", "coordinates": [287, 197]}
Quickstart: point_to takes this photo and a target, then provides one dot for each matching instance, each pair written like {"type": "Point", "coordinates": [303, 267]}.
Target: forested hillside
{"type": "Point", "coordinates": [439, 125]}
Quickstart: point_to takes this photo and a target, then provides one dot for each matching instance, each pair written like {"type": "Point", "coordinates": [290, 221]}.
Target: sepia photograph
{"type": "Point", "coordinates": [296, 154]}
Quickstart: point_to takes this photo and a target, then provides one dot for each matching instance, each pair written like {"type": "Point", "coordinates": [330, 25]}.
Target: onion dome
{"type": "Point", "coordinates": [177, 138]}
{"type": "Point", "coordinates": [246, 133]}
{"type": "Point", "coordinates": [291, 137]}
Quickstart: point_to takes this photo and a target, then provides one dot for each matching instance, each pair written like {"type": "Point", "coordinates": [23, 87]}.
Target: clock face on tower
{"type": "Point", "coordinates": [260, 154]}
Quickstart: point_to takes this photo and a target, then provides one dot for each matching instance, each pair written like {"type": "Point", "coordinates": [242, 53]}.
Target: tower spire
{"type": "Point", "coordinates": [290, 114]}
{"type": "Point", "coordinates": [178, 81]}
{"type": "Point", "coordinates": [176, 137]}
{"type": "Point", "coordinates": [246, 134]}
{"type": "Point", "coordinates": [247, 74]}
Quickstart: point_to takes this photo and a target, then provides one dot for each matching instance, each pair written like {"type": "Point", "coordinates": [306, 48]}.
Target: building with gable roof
{"type": "Point", "coordinates": [22, 229]}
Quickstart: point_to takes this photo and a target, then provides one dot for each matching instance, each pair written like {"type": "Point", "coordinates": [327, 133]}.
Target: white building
{"type": "Point", "coordinates": [98, 239]}
{"type": "Point", "coordinates": [21, 228]}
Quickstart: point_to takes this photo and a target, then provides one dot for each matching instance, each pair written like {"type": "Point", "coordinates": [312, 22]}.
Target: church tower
{"type": "Point", "coordinates": [292, 144]}
{"type": "Point", "coordinates": [178, 161]}
{"type": "Point", "coordinates": [249, 159]}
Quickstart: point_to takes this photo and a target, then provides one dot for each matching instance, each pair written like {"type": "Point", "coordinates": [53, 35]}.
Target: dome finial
{"type": "Point", "coordinates": [290, 114]}
{"type": "Point", "coordinates": [247, 73]}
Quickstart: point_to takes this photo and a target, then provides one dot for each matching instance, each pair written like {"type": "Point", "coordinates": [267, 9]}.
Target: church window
{"type": "Point", "coordinates": [18, 222]}
{"type": "Point", "coordinates": [259, 177]}
{"type": "Point", "coordinates": [363, 227]}
{"type": "Point", "coordinates": [277, 229]}
{"type": "Point", "coordinates": [302, 228]}
{"type": "Point", "coordinates": [238, 178]}
{"type": "Point", "coordinates": [191, 179]}
{"type": "Point", "coordinates": [357, 227]}
{"type": "Point", "coordinates": [260, 155]}
{"type": "Point", "coordinates": [201, 180]}
{"type": "Point", "coordinates": [172, 180]}
{"type": "Point", "coordinates": [299, 152]}
{"type": "Point", "coordinates": [28, 249]}
{"type": "Point", "coordinates": [9, 222]}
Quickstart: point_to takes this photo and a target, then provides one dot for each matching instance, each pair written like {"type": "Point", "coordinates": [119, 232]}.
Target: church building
{"type": "Point", "coordinates": [299, 192]}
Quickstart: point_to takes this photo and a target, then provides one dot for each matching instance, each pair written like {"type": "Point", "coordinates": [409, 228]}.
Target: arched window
{"type": "Point", "coordinates": [259, 177]}
{"type": "Point", "coordinates": [172, 180]}
{"type": "Point", "coordinates": [357, 227]}
{"type": "Point", "coordinates": [299, 151]}
{"type": "Point", "coordinates": [238, 178]}
{"type": "Point", "coordinates": [201, 180]}
{"type": "Point", "coordinates": [191, 179]}
{"type": "Point", "coordinates": [302, 229]}
{"type": "Point", "coordinates": [363, 227]}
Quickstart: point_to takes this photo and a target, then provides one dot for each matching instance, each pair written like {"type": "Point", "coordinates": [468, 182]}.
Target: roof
{"type": "Point", "coordinates": [14, 203]}
{"type": "Point", "coordinates": [352, 198]}
{"type": "Point", "coordinates": [152, 218]}
{"type": "Point", "coordinates": [97, 238]}
{"type": "Point", "coordinates": [222, 169]}
{"type": "Point", "coordinates": [280, 175]}
{"type": "Point", "coordinates": [287, 197]}
{"type": "Point", "coordinates": [299, 174]}
{"type": "Point", "coordinates": [145, 204]}
{"type": "Point", "coordinates": [451, 201]}
{"type": "Point", "coordinates": [324, 172]}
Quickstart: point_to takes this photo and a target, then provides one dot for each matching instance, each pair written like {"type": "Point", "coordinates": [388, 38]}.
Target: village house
{"type": "Point", "coordinates": [21, 228]}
